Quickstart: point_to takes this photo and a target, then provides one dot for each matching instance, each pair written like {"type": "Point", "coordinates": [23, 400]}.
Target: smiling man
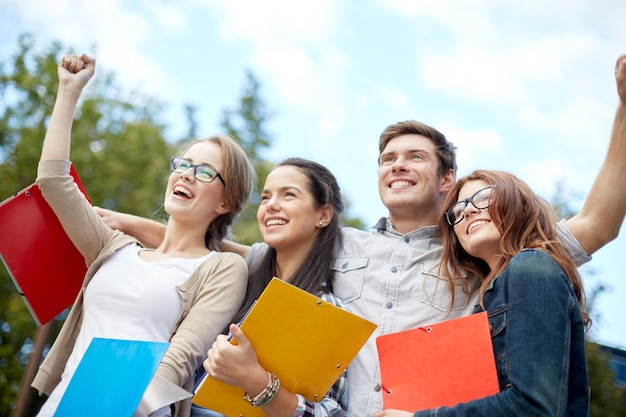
{"type": "Point", "coordinates": [388, 276]}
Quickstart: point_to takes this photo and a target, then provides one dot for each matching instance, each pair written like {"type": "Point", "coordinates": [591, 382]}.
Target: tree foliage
{"type": "Point", "coordinates": [247, 124]}
{"type": "Point", "coordinates": [120, 153]}
{"type": "Point", "coordinates": [118, 149]}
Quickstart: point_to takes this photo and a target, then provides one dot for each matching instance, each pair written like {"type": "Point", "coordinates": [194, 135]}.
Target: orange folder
{"type": "Point", "coordinates": [306, 342]}
{"type": "Point", "coordinates": [439, 365]}
{"type": "Point", "coordinates": [46, 268]}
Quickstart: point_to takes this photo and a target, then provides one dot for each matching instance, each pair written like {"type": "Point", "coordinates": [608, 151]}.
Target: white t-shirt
{"type": "Point", "coordinates": [127, 298]}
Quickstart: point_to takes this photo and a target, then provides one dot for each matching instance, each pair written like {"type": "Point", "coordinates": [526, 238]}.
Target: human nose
{"type": "Point", "coordinates": [399, 164]}
{"type": "Point", "coordinates": [272, 204]}
{"type": "Point", "coordinates": [470, 208]}
{"type": "Point", "coordinates": [189, 173]}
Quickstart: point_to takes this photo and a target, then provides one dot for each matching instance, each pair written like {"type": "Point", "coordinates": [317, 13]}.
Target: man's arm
{"type": "Point", "coordinates": [149, 232]}
{"type": "Point", "coordinates": [602, 215]}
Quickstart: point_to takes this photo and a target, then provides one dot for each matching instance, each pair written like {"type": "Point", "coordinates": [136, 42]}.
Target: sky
{"type": "Point", "coordinates": [527, 87]}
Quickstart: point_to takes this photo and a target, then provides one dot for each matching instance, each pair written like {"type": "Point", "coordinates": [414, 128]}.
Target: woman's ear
{"type": "Point", "coordinates": [222, 209]}
{"type": "Point", "coordinates": [325, 215]}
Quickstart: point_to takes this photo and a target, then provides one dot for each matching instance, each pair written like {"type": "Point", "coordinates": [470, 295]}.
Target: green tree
{"type": "Point", "coordinates": [247, 124]}
{"type": "Point", "coordinates": [607, 399]}
{"type": "Point", "coordinates": [118, 149]}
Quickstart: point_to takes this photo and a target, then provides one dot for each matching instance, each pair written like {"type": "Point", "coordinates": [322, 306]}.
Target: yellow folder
{"type": "Point", "coordinates": [306, 342]}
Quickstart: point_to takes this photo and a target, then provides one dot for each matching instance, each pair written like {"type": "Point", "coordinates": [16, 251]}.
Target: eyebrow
{"type": "Point", "coordinates": [284, 188]}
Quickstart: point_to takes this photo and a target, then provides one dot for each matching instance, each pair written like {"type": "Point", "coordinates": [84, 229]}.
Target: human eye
{"type": "Point", "coordinates": [457, 210]}
{"type": "Point", "coordinates": [417, 156]}
{"type": "Point", "coordinates": [482, 197]}
{"type": "Point", "coordinates": [180, 164]}
{"type": "Point", "coordinates": [386, 159]}
{"type": "Point", "coordinates": [205, 173]}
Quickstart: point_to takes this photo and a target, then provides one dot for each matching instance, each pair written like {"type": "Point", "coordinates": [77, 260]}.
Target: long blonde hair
{"type": "Point", "coordinates": [239, 176]}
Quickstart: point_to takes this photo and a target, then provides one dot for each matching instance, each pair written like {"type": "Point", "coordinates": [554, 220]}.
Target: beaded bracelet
{"type": "Point", "coordinates": [268, 393]}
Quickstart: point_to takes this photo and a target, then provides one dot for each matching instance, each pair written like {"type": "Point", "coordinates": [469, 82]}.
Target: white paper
{"type": "Point", "coordinates": [159, 394]}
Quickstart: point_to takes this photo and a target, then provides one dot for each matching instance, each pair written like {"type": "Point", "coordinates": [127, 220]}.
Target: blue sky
{"type": "Point", "coordinates": [526, 87]}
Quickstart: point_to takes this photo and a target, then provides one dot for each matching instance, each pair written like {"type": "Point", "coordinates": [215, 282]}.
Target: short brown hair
{"type": "Point", "coordinates": [446, 151]}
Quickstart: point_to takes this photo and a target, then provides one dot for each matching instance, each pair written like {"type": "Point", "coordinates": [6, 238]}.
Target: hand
{"type": "Point", "coordinates": [393, 413]}
{"type": "Point", "coordinates": [75, 71]}
{"type": "Point", "coordinates": [113, 219]}
{"type": "Point", "coordinates": [620, 77]}
{"type": "Point", "coordinates": [236, 364]}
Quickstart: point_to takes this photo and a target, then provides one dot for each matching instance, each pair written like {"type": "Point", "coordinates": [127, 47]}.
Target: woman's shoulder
{"type": "Point", "coordinates": [225, 258]}
{"type": "Point", "coordinates": [534, 263]}
{"type": "Point", "coordinates": [531, 256]}
{"type": "Point", "coordinates": [226, 263]}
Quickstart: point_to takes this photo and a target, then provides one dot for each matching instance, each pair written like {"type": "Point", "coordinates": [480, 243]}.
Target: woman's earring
{"type": "Point", "coordinates": [321, 223]}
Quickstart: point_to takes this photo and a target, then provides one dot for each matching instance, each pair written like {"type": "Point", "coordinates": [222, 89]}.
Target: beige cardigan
{"type": "Point", "coordinates": [210, 297]}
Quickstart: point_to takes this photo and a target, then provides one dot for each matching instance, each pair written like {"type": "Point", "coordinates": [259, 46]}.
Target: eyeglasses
{"type": "Point", "coordinates": [481, 200]}
{"type": "Point", "coordinates": [204, 173]}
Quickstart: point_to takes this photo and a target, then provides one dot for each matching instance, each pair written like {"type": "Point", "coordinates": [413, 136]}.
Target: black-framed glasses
{"type": "Point", "coordinates": [480, 199]}
{"type": "Point", "coordinates": [202, 172]}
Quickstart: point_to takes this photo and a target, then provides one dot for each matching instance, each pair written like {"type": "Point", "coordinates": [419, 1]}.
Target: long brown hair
{"type": "Point", "coordinates": [523, 219]}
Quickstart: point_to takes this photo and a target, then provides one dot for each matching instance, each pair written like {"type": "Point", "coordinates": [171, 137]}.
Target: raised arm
{"type": "Point", "coordinates": [74, 73]}
{"type": "Point", "coordinates": [602, 215]}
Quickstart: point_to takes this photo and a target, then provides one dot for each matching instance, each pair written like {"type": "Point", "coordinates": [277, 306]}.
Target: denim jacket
{"type": "Point", "coordinates": [538, 339]}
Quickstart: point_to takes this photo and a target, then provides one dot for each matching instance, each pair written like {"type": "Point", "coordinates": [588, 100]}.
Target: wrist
{"type": "Point", "coordinates": [267, 394]}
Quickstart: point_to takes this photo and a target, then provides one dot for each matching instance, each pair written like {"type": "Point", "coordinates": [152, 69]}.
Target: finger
{"type": "Point", "coordinates": [621, 63]}
{"type": "Point", "coordinates": [239, 335]}
{"type": "Point", "coordinates": [88, 61]}
{"type": "Point", "coordinates": [220, 341]}
{"type": "Point", "coordinates": [65, 61]}
{"type": "Point", "coordinates": [73, 63]}
{"type": "Point", "coordinates": [73, 67]}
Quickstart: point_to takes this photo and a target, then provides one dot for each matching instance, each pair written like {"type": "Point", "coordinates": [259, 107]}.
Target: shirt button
{"type": "Point", "coordinates": [377, 388]}
{"type": "Point", "coordinates": [345, 265]}
{"type": "Point", "coordinates": [394, 269]}
{"type": "Point", "coordinates": [389, 304]}
{"type": "Point", "coordinates": [406, 239]}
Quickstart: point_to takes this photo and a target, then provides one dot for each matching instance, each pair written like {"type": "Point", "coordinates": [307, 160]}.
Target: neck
{"type": "Point", "coordinates": [187, 242]}
{"type": "Point", "coordinates": [288, 262]}
{"type": "Point", "coordinates": [406, 225]}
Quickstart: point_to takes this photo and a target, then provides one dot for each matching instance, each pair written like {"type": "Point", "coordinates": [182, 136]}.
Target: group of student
{"type": "Point", "coordinates": [446, 249]}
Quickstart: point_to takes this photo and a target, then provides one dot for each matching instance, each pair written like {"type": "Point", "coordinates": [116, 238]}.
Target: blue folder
{"type": "Point", "coordinates": [111, 378]}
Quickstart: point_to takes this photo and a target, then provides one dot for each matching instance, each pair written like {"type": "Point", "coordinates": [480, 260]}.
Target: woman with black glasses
{"type": "Point", "coordinates": [498, 231]}
{"type": "Point", "coordinates": [183, 291]}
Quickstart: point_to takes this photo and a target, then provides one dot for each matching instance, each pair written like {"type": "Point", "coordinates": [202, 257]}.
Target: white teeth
{"type": "Point", "coordinates": [400, 184]}
{"type": "Point", "coordinates": [181, 190]}
{"type": "Point", "coordinates": [275, 222]}
{"type": "Point", "coordinates": [476, 224]}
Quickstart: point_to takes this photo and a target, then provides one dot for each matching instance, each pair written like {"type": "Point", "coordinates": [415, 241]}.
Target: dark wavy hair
{"type": "Point", "coordinates": [523, 219]}
{"type": "Point", "coordinates": [314, 274]}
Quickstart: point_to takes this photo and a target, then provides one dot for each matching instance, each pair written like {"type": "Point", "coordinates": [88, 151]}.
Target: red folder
{"type": "Point", "coordinates": [46, 268]}
{"type": "Point", "coordinates": [439, 365]}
